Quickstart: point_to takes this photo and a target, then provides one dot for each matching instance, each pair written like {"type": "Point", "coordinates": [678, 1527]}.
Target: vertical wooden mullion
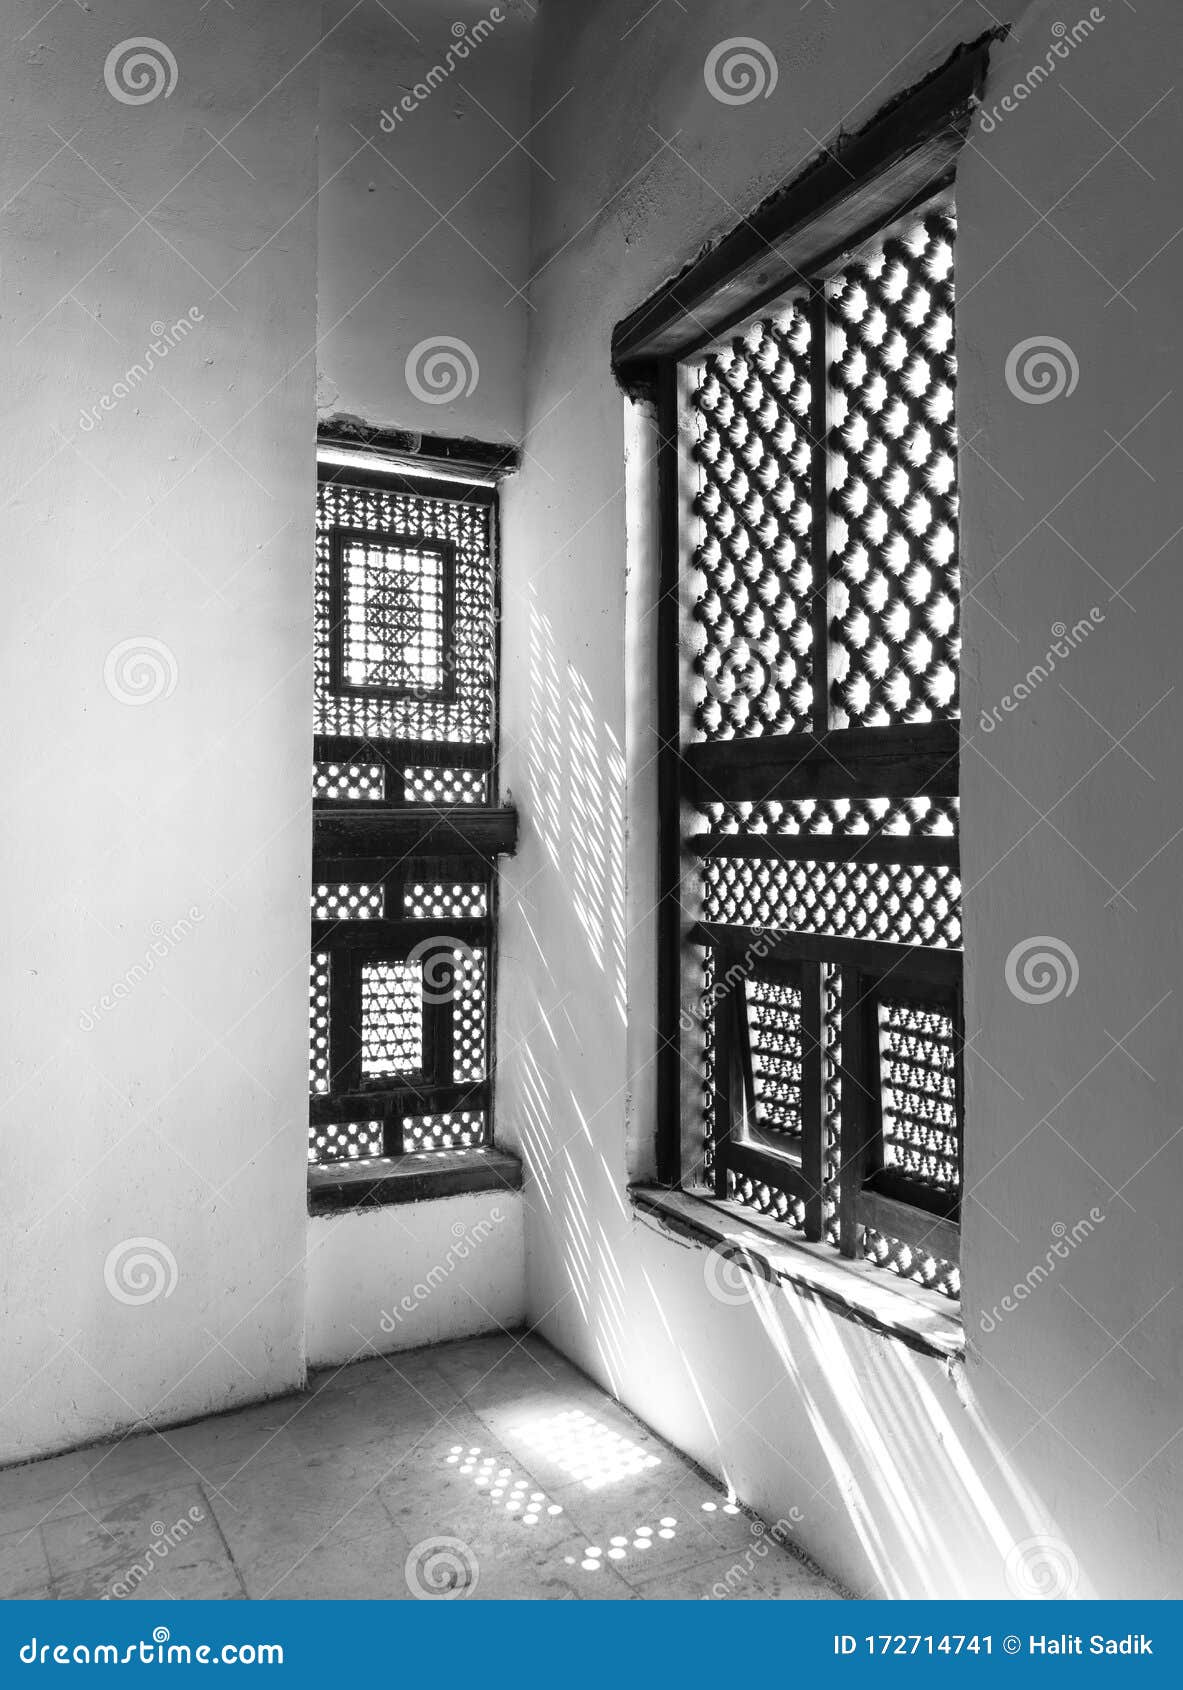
{"type": "Point", "coordinates": [669, 797]}
{"type": "Point", "coordinates": [394, 886]}
{"type": "Point", "coordinates": [448, 581]}
{"type": "Point", "coordinates": [813, 1115]}
{"type": "Point", "coordinates": [743, 1097]}
{"type": "Point", "coordinates": [344, 1018]}
{"type": "Point", "coordinates": [395, 782]}
{"type": "Point", "coordinates": [958, 1019]}
{"type": "Point", "coordinates": [392, 1129]}
{"type": "Point", "coordinates": [439, 995]}
{"type": "Point", "coordinates": [819, 423]}
{"type": "Point", "coordinates": [336, 609]}
{"type": "Point", "coordinates": [492, 904]}
{"type": "Point", "coordinates": [860, 1111]}
{"type": "Point", "coordinates": [728, 1078]}
{"type": "Point", "coordinates": [491, 796]}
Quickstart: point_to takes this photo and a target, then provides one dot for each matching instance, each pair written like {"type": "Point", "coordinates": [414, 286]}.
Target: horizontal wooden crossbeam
{"type": "Point", "coordinates": [381, 830]}
{"type": "Point", "coordinates": [911, 962]}
{"type": "Point", "coordinates": [918, 760]}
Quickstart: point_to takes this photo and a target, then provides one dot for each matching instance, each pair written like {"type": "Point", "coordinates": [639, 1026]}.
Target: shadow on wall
{"type": "Point", "coordinates": [939, 1509]}
{"type": "Point", "coordinates": [576, 802]}
{"type": "Point", "coordinates": [893, 1444]}
{"type": "Point", "coordinates": [904, 1488]}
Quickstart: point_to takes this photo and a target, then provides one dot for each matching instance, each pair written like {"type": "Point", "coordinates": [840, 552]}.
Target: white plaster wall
{"type": "Point", "coordinates": [182, 520]}
{"type": "Point", "coordinates": [398, 1278]}
{"type": "Point", "coordinates": [911, 1480]}
{"type": "Point", "coordinates": [423, 223]}
{"type": "Point", "coordinates": [423, 236]}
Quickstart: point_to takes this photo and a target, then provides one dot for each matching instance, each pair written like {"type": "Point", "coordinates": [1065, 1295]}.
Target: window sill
{"type": "Point", "coordinates": [852, 1290]}
{"type": "Point", "coordinates": [418, 1177]}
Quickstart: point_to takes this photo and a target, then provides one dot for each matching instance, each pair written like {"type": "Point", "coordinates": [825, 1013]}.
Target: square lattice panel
{"type": "Point", "coordinates": [392, 626]}
{"type": "Point", "coordinates": [385, 526]}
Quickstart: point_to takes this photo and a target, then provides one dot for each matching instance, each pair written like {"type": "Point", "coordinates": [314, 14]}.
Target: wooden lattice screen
{"type": "Point", "coordinates": [818, 767]}
{"type": "Point", "coordinates": [406, 825]}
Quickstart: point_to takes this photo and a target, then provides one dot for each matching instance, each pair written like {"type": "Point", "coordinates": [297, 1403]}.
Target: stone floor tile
{"type": "Point", "coordinates": [24, 1567]}
{"type": "Point", "coordinates": [164, 1543]}
{"type": "Point", "coordinates": [43, 1490]}
{"type": "Point", "coordinates": [285, 1510]}
{"type": "Point", "coordinates": [743, 1576]}
{"type": "Point", "coordinates": [369, 1568]}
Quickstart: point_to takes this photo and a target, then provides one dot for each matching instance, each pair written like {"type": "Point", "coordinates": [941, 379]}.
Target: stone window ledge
{"type": "Point", "coordinates": [418, 1177]}
{"type": "Point", "coordinates": [856, 1291]}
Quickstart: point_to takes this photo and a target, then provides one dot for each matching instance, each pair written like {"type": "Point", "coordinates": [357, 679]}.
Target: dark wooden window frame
{"type": "Point", "coordinates": [901, 160]}
{"type": "Point", "coordinates": [373, 842]}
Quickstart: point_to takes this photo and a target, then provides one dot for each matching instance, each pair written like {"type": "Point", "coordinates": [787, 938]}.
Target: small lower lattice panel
{"type": "Point", "coordinates": [345, 1141]}
{"type": "Point", "coordinates": [765, 1199]}
{"type": "Point", "coordinates": [919, 1111]}
{"type": "Point", "coordinates": [358, 781]}
{"type": "Point", "coordinates": [774, 1032]}
{"type": "Point", "coordinates": [469, 1015]}
{"type": "Point", "coordinates": [454, 1130]}
{"type": "Point", "coordinates": [318, 1016]}
{"type": "Point", "coordinates": [443, 900]}
{"type": "Point", "coordinates": [917, 1071]}
{"type": "Point", "coordinates": [444, 787]}
{"type": "Point", "coordinates": [348, 903]}
{"type": "Point", "coordinates": [912, 1263]}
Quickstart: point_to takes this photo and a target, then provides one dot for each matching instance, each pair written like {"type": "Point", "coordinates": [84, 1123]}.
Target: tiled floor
{"type": "Point", "coordinates": [490, 1469]}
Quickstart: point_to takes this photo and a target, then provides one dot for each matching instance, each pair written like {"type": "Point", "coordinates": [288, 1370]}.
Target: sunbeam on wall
{"type": "Point", "coordinates": [576, 800]}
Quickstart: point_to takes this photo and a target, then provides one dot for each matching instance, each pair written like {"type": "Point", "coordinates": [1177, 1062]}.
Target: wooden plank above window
{"type": "Point", "coordinates": [843, 196]}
